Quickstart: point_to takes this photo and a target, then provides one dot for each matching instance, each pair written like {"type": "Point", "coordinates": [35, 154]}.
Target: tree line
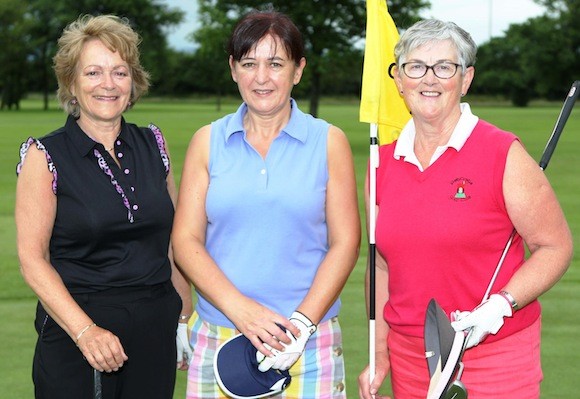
{"type": "Point", "coordinates": [536, 59]}
{"type": "Point", "coordinates": [539, 58]}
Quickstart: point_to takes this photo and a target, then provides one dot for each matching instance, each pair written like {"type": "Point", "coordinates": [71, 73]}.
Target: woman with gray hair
{"type": "Point", "coordinates": [450, 191]}
{"type": "Point", "coordinates": [94, 212]}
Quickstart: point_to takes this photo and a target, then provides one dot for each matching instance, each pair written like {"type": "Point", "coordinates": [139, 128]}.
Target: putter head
{"type": "Point", "coordinates": [443, 350]}
{"type": "Point", "coordinates": [456, 391]}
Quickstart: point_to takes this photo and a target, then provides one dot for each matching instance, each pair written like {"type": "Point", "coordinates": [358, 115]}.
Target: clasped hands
{"type": "Point", "coordinates": [284, 359]}
{"type": "Point", "coordinates": [485, 319]}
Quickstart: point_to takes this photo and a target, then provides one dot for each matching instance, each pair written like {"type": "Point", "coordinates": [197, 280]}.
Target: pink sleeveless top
{"type": "Point", "coordinates": [442, 231]}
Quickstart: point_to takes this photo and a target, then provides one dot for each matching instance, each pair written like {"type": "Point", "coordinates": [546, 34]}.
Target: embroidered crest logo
{"type": "Point", "coordinates": [461, 188]}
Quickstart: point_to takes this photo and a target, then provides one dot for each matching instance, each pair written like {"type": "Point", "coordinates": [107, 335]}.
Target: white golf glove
{"type": "Point", "coordinates": [184, 352]}
{"type": "Point", "coordinates": [283, 360]}
{"type": "Point", "coordinates": [485, 319]}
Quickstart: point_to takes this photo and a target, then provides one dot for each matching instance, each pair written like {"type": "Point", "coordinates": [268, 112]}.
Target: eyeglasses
{"type": "Point", "coordinates": [443, 69]}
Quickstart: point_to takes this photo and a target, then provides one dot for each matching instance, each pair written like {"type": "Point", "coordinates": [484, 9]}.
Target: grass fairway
{"type": "Point", "coordinates": [180, 119]}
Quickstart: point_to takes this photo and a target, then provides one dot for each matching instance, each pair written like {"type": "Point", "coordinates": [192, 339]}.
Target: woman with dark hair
{"type": "Point", "coordinates": [94, 211]}
{"type": "Point", "coordinates": [267, 225]}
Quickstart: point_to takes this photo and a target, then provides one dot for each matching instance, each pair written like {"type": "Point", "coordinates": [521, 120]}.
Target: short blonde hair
{"type": "Point", "coordinates": [113, 32]}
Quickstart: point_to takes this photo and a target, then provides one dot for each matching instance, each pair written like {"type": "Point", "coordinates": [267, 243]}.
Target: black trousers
{"type": "Point", "coordinates": [144, 319]}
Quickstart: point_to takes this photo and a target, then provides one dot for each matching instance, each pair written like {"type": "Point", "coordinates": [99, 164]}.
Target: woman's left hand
{"type": "Point", "coordinates": [184, 351]}
{"type": "Point", "coordinates": [485, 319]}
{"type": "Point", "coordinates": [291, 353]}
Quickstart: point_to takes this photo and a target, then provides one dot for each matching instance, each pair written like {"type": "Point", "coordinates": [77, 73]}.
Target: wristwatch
{"type": "Point", "coordinates": [510, 299]}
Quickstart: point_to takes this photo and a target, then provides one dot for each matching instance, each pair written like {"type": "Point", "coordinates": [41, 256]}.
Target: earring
{"type": "Point", "coordinates": [73, 101]}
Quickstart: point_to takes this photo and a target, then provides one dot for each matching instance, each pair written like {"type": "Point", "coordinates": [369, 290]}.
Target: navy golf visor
{"type": "Point", "coordinates": [236, 371]}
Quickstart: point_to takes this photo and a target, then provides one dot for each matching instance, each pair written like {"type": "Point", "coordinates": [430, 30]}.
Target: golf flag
{"type": "Point", "coordinates": [382, 107]}
{"type": "Point", "coordinates": [380, 100]}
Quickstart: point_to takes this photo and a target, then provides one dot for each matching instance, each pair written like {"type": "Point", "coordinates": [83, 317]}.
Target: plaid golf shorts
{"type": "Point", "coordinates": [319, 373]}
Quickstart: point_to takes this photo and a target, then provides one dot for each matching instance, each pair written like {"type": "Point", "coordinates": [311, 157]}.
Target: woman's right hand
{"type": "Point", "coordinates": [367, 390]}
{"type": "Point", "coordinates": [261, 325]}
{"type": "Point", "coordinates": [102, 349]}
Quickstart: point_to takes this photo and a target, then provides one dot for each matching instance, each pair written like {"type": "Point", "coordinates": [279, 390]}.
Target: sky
{"type": "Point", "coordinates": [484, 18]}
{"type": "Point", "coordinates": [178, 36]}
{"type": "Point", "coordinates": [481, 18]}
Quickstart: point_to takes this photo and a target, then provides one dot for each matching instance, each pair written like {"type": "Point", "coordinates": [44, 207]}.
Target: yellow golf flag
{"type": "Point", "coordinates": [380, 99]}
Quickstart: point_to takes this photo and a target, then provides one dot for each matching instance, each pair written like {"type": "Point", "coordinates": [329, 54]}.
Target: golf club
{"type": "Point", "coordinates": [546, 156]}
{"type": "Point", "coordinates": [97, 386]}
{"type": "Point", "coordinates": [560, 122]}
{"type": "Point", "coordinates": [455, 388]}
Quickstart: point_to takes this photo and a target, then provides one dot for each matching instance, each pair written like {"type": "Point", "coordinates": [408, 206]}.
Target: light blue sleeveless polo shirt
{"type": "Point", "coordinates": [266, 217]}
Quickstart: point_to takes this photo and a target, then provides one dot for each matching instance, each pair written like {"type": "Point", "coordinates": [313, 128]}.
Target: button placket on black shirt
{"type": "Point", "coordinates": [124, 172]}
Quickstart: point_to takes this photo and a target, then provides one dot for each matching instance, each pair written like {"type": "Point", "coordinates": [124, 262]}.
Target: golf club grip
{"type": "Point", "coordinates": [560, 122]}
{"type": "Point", "coordinates": [98, 387]}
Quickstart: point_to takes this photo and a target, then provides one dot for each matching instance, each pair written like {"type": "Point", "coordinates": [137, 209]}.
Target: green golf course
{"type": "Point", "coordinates": [179, 119]}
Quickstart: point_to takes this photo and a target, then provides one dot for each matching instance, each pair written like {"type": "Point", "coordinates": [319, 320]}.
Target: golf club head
{"type": "Point", "coordinates": [443, 350]}
{"type": "Point", "coordinates": [456, 391]}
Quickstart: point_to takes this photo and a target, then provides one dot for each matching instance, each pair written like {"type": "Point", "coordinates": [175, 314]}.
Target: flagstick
{"type": "Point", "coordinates": [373, 165]}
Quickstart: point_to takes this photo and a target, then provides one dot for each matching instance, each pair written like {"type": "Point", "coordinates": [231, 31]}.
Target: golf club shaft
{"type": "Point", "coordinates": [97, 387]}
{"type": "Point", "coordinates": [547, 154]}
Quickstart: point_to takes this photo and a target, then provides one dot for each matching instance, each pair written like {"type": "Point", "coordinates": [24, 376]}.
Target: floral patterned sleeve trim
{"type": "Point", "coordinates": [107, 170]}
{"type": "Point", "coordinates": [51, 167]}
{"type": "Point", "coordinates": [161, 144]}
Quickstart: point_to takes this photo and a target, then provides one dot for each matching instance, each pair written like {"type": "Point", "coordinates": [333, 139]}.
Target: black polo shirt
{"type": "Point", "coordinates": [112, 223]}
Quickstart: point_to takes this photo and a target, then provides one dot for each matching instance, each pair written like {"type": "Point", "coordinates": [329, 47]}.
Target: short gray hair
{"type": "Point", "coordinates": [434, 30]}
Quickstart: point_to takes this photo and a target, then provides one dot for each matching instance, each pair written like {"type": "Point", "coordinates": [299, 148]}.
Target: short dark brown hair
{"type": "Point", "coordinates": [256, 24]}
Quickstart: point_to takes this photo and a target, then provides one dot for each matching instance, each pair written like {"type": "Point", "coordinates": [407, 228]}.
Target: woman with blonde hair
{"type": "Point", "coordinates": [94, 212]}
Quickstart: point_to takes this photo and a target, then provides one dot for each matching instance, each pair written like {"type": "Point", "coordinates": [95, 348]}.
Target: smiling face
{"type": "Point", "coordinates": [431, 98]}
{"type": "Point", "coordinates": [266, 76]}
{"type": "Point", "coordinates": [103, 84]}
